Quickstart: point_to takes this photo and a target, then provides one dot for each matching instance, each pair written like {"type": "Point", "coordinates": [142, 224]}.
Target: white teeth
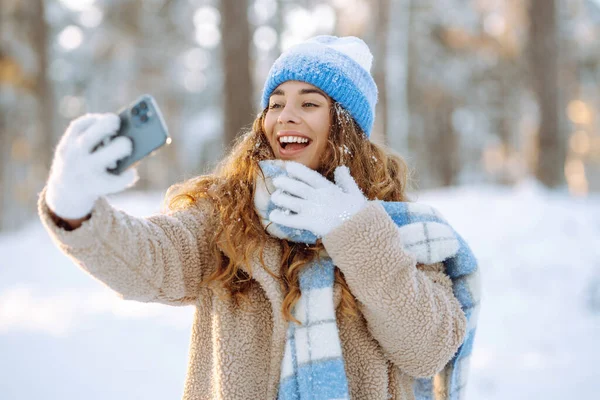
{"type": "Point", "coordinates": [292, 139]}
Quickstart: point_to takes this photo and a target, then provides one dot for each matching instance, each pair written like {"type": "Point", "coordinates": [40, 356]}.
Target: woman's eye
{"type": "Point", "coordinates": [310, 105]}
{"type": "Point", "coordinates": [274, 105]}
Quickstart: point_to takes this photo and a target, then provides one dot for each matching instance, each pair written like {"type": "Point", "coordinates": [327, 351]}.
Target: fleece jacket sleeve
{"type": "Point", "coordinates": [410, 310]}
{"type": "Point", "coordinates": [161, 258]}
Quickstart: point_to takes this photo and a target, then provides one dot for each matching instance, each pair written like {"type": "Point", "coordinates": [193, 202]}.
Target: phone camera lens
{"type": "Point", "coordinates": [143, 105]}
{"type": "Point", "coordinates": [144, 118]}
{"type": "Point", "coordinates": [135, 111]}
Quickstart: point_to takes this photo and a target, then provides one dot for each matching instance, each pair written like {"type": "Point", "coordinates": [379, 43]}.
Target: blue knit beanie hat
{"type": "Point", "coordinates": [339, 66]}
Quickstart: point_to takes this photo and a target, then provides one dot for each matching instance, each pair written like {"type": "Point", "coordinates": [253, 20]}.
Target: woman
{"type": "Point", "coordinates": [269, 242]}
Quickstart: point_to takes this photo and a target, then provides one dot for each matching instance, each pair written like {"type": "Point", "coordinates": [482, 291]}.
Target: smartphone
{"type": "Point", "coordinates": [143, 123]}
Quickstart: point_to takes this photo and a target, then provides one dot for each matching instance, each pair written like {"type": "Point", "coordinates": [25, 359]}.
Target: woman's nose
{"type": "Point", "coordinates": [288, 114]}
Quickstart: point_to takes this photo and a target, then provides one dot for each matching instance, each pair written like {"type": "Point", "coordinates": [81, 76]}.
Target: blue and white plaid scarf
{"type": "Point", "coordinates": [313, 364]}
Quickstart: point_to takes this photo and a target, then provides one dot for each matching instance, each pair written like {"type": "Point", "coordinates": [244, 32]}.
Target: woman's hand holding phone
{"type": "Point", "coordinates": [80, 174]}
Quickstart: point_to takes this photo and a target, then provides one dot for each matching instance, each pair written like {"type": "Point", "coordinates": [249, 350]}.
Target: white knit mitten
{"type": "Point", "coordinates": [79, 176]}
{"type": "Point", "coordinates": [308, 201]}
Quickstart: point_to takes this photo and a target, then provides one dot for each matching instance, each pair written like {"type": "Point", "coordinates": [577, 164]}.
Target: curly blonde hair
{"type": "Point", "coordinates": [230, 189]}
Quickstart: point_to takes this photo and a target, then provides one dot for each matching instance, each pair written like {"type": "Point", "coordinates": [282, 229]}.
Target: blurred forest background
{"type": "Point", "coordinates": [471, 91]}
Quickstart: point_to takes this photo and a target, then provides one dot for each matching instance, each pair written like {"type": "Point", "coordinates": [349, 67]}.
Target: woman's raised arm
{"type": "Point", "coordinates": [161, 258]}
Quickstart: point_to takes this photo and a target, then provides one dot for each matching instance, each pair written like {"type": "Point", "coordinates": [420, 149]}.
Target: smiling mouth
{"type": "Point", "coordinates": [289, 148]}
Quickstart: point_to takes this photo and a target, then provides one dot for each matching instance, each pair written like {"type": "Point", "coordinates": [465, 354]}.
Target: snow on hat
{"type": "Point", "coordinates": [339, 66]}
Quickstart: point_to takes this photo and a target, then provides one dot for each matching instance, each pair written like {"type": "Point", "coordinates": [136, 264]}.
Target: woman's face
{"type": "Point", "coordinates": [297, 123]}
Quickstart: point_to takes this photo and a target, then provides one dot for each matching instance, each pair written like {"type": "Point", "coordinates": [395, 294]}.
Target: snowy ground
{"type": "Point", "coordinates": [64, 336]}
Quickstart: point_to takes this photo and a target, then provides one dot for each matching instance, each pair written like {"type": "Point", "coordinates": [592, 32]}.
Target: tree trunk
{"type": "Point", "coordinates": [543, 52]}
{"type": "Point", "coordinates": [4, 159]}
{"type": "Point", "coordinates": [382, 18]}
{"type": "Point", "coordinates": [44, 142]}
{"type": "Point", "coordinates": [396, 77]}
{"type": "Point", "coordinates": [238, 91]}
{"type": "Point", "coordinates": [415, 133]}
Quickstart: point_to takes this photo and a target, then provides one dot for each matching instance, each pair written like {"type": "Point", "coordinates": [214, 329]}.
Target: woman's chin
{"type": "Point", "coordinates": [301, 160]}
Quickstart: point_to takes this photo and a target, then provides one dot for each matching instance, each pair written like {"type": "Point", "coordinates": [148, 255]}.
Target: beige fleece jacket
{"type": "Point", "coordinates": [410, 323]}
